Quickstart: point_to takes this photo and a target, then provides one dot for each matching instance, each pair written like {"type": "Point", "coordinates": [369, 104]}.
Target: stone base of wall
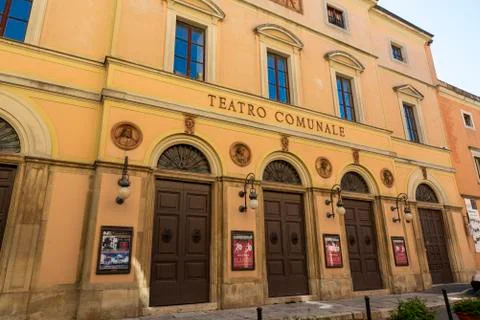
{"type": "Point", "coordinates": [464, 276]}
{"type": "Point", "coordinates": [335, 288]}
{"type": "Point", "coordinates": [108, 304]}
{"type": "Point", "coordinates": [244, 294]}
{"type": "Point", "coordinates": [13, 306]}
{"type": "Point", "coordinates": [403, 283]}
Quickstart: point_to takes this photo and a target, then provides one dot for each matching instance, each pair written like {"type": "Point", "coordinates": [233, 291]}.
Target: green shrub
{"type": "Point", "coordinates": [468, 306]}
{"type": "Point", "coordinates": [412, 309]}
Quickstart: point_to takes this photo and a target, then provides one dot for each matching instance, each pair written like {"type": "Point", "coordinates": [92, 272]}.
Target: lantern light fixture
{"type": "Point", "coordinates": [253, 201]}
{"type": "Point", "coordinates": [407, 211]}
{"type": "Point", "coordinates": [340, 209]}
{"type": "Point", "coordinates": [124, 184]}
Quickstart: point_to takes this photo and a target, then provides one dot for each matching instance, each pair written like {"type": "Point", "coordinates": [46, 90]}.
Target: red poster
{"type": "Point", "coordinates": [400, 251]}
{"type": "Point", "coordinates": [333, 251]}
{"type": "Point", "coordinates": [243, 251]}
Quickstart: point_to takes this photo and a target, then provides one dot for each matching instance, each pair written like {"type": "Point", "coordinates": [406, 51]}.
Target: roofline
{"type": "Point", "coordinates": [400, 19]}
{"type": "Point", "coordinates": [459, 91]}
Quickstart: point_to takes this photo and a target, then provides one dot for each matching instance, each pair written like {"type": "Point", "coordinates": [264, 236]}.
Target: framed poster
{"type": "Point", "coordinates": [243, 251]}
{"type": "Point", "coordinates": [114, 250]}
{"type": "Point", "coordinates": [333, 251]}
{"type": "Point", "coordinates": [400, 251]}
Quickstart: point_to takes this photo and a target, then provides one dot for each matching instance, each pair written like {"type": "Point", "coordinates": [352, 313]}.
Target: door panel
{"type": "Point", "coordinates": [7, 178]}
{"type": "Point", "coordinates": [362, 246]}
{"type": "Point", "coordinates": [181, 244]}
{"type": "Point", "coordinates": [436, 245]}
{"type": "Point", "coordinates": [285, 244]}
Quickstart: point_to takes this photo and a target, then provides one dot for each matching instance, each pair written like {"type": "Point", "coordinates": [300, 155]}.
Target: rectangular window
{"type": "Point", "coordinates": [397, 53]}
{"type": "Point", "coordinates": [14, 15]}
{"type": "Point", "coordinates": [467, 120]}
{"type": "Point", "coordinates": [336, 17]}
{"type": "Point", "coordinates": [345, 98]}
{"type": "Point", "coordinates": [189, 51]}
{"type": "Point", "coordinates": [411, 123]}
{"type": "Point", "coordinates": [278, 86]}
{"type": "Point", "coordinates": [477, 164]}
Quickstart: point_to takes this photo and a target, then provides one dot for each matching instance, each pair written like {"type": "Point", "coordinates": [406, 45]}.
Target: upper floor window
{"type": "Point", "coordinates": [477, 165]}
{"type": "Point", "coordinates": [411, 123]}
{"type": "Point", "coordinates": [397, 53]}
{"type": "Point", "coordinates": [345, 98]}
{"type": "Point", "coordinates": [14, 16]}
{"type": "Point", "coordinates": [336, 17]}
{"type": "Point", "coordinates": [189, 51]}
{"type": "Point", "coordinates": [278, 86]}
{"type": "Point", "coordinates": [468, 120]}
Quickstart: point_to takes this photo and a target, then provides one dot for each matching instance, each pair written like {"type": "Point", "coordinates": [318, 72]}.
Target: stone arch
{"type": "Point", "coordinates": [345, 58]}
{"type": "Point", "coordinates": [279, 33]}
{"type": "Point", "coordinates": [425, 193]}
{"type": "Point", "coordinates": [182, 139]}
{"type": "Point", "coordinates": [294, 161]}
{"type": "Point", "coordinates": [354, 182]}
{"type": "Point", "coordinates": [35, 138]}
{"type": "Point", "coordinates": [416, 179]}
{"type": "Point", "coordinates": [364, 173]}
{"type": "Point", "coordinates": [184, 157]}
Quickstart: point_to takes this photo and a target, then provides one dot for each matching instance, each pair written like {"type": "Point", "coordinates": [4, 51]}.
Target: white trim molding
{"type": "Point", "coordinates": [331, 3]}
{"type": "Point", "coordinates": [407, 94]}
{"type": "Point", "coordinates": [35, 22]}
{"type": "Point", "coordinates": [346, 65]}
{"type": "Point", "coordinates": [476, 154]}
{"type": "Point", "coordinates": [205, 15]}
{"type": "Point", "coordinates": [296, 162]}
{"type": "Point", "coordinates": [409, 90]}
{"type": "Point", "coordinates": [403, 49]}
{"type": "Point", "coordinates": [276, 39]}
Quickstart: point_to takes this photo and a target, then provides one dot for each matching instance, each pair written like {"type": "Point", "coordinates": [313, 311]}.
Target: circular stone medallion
{"type": "Point", "coordinates": [324, 167]}
{"type": "Point", "coordinates": [387, 178]}
{"type": "Point", "coordinates": [126, 135]}
{"type": "Point", "coordinates": [240, 154]}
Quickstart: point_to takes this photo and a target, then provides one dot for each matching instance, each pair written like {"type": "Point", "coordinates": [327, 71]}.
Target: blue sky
{"type": "Point", "coordinates": [456, 45]}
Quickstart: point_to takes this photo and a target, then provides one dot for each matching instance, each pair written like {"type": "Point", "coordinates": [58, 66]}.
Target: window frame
{"type": "Point", "coordinates": [476, 155]}
{"type": "Point", "coordinates": [463, 113]}
{"type": "Point", "coordinates": [403, 49]}
{"type": "Point", "coordinates": [335, 6]}
{"type": "Point", "coordinates": [188, 59]}
{"type": "Point", "coordinates": [278, 56]}
{"type": "Point", "coordinates": [415, 122]}
{"type": "Point", "coordinates": [352, 94]}
{"type": "Point", "coordinates": [5, 16]}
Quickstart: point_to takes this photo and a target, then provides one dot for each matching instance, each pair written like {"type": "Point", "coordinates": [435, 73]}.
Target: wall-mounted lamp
{"type": "Point", "coordinates": [253, 203]}
{"type": "Point", "coordinates": [124, 183]}
{"type": "Point", "coordinates": [402, 198]}
{"type": "Point", "coordinates": [340, 209]}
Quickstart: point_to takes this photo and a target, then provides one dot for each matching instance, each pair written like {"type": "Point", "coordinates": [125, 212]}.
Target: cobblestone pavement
{"type": "Point", "coordinates": [334, 310]}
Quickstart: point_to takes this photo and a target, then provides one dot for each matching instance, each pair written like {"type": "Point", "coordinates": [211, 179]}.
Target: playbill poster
{"type": "Point", "coordinates": [243, 251]}
{"type": "Point", "coordinates": [333, 251]}
{"type": "Point", "coordinates": [114, 253]}
{"type": "Point", "coordinates": [400, 251]}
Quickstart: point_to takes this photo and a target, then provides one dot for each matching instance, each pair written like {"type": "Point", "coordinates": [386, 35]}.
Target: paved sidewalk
{"type": "Point", "coordinates": [333, 310]}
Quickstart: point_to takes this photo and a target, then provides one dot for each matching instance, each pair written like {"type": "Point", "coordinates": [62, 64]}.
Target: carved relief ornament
{"type": "Point", "coordinates": [241, 154]}
{"type": "Point", "coordinates": [126, 135]}
{"type": "Point", "coordinates": [285, 143]}
{"type": "Point", "coordinates": [189, 125]}
{"type": "Point", "coordinates": [295, 5]}
{"type": "Point", "coordinates": [387, 178]}
{"type": "Point", "coordinates": [324, 167]}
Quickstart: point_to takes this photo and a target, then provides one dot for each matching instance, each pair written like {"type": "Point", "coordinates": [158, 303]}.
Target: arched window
{"type": "Point", "coordinates": [354, 182]}
{"type": "Point", "coordinates": [425, 193]}
{"type": "Point", "coordinates": [281, 171]}
{"type": "Point", "coordinates": [9, 141]}
{"type": "Point", "coordinates": [184, 157]}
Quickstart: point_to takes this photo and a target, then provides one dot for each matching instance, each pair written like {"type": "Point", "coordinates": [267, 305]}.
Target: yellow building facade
{"type": "Point", "coordinates": [95, 82]}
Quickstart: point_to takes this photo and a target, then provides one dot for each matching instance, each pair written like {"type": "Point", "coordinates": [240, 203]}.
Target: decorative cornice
{"type": "Point", "coordinates": [345, 58]}
{"type": "Point", "coordinates": [403, 22]}
{"type": "Point", "coordinates": [459, 91]}
{"type": "Point", "coordinates": [213, 8]}
{"type": "Point", "coordinates": [265, 29]}
{"type": "Point", "coordinates": [409, 90]}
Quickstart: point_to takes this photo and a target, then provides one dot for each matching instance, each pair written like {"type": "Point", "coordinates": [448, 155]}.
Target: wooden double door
{"type": "Point", "coordinates": [362, 245]}
{"type": "Point", "coordinates": [180, 272]}
{"type": "Point", "coordinates": [285, 244]}
{"type": "Point", "coordinates": [435, 242]}
{"type": "Point", "coordinates": [7, 178]}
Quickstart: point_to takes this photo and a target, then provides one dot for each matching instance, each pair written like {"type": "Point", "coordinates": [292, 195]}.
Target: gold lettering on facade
{"type": "Point", "coordinates": [290, 119]}
{"type": "Point", "coordinates": [291, 4]}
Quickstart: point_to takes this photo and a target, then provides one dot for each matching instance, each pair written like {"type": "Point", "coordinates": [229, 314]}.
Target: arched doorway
{"type": "Point", "coordinates": [180, 267]}
{"type": "Point", "coordinates": [285, 233]}
{"type": "Point", "coordinates": [433, 230]}
{"type": "Point", "coordinates": [361, 235]}
{"type": "Point", "coordinates": [9, 143]}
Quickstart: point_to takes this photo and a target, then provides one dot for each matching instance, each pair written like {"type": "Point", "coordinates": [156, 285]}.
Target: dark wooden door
{"type": "Point", "coordinates": [362, 245]}
{"type": "Point", "coordinates": [7, 178]}
{"type": "Point", "coordinates": [285, 244]}
{"type": "Point", "coordinates": [436, 245]}
{"type": "Point", "coordinates": [181, 244]}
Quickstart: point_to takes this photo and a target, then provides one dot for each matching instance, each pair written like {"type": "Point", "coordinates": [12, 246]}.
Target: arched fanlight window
{"type": "Point", "coordinates": [354, 182]}
{"type": "Point", "coordinates": [425, 193]}
{"type": "Point", "coordinates": [184, 157]}
{"type": "Point", "coordinates": [281, 171]}
{"type": "Point", "coordinates": [9, 140]}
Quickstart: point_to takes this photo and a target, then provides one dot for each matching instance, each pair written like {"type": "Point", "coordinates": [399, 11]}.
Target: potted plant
{"type": "Point", "coordinates": [468, 309]}
{"type": "Point", "coordinates": [412, 309]}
